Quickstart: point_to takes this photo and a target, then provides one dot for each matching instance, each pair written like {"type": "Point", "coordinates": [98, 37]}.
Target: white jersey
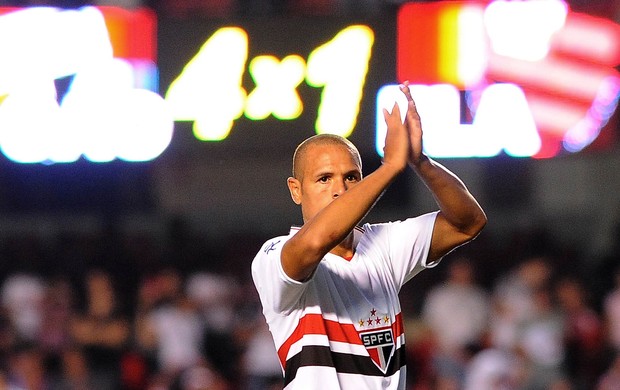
{"type": "Point", "coordinates": [343, 328]}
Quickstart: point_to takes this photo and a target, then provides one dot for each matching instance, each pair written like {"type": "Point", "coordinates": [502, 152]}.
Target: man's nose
{"type": "Point", "coordinates": [340, 186]}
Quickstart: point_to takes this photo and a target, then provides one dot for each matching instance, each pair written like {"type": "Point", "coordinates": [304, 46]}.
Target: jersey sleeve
{"type": "Point", "coordinates": [405, 245]}
{"type": "Point", "coordinates": [277, 291]}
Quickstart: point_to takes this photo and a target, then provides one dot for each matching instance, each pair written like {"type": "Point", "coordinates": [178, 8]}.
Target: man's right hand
{"type": "Point", "coordinates": [397, 141]}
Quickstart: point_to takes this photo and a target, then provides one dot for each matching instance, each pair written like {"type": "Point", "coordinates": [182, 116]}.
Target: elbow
{"type": "Point", "coordinates": [477, 223]}
{"type": "Point", "coordinates": [470, 225]}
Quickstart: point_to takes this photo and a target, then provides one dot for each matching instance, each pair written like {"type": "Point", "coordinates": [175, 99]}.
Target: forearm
{"type": "Point", "coordinates": [335, 222]}
{"type": "Point", "coordinates": [455, 202]}
{"type": "Point", "coordinates": [332, 225]}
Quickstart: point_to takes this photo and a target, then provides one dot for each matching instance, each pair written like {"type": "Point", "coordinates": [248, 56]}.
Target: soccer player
{"type": "Point", "coordinates": [329, 289]}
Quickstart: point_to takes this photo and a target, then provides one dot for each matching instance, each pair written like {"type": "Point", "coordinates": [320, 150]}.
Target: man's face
{"type": "Point", "coordinates": [328, 171]}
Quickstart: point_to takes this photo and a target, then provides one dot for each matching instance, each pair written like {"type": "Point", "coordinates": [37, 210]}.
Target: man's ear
{"type": "Point", "coordinates": [294, 186]}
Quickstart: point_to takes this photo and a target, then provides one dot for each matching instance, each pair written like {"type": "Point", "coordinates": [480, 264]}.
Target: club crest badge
{"type": "Point", "coordinates": [377, 336]}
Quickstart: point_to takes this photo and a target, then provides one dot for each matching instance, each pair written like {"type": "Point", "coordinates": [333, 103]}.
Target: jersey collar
{"type": "Point", "coordinates": [358, 232]}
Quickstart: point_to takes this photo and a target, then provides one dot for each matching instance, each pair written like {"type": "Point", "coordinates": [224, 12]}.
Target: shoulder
{"type": "Point", "coordinates": [273, 244]}
{"type": "Point", "coordinates": [271, 247]}
{"type": "Point", "coordinates": [268, 254]}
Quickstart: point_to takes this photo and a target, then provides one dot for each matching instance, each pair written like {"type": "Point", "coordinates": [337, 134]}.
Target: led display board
{"type": "Point", "coordinates": [538, 79]}
{"type": "Point", "coordinates": [261, 85]}
{"type": "Point", "coordinates": [80, 82]}
{"type": "Point", "coordinates": [209, 90]}
{"type": "Point", "coordinates": [109, 84]}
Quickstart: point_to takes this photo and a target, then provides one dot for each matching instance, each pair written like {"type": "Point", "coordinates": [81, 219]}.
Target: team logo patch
{"type": "Point", "coordinates": [271, 246]}
{"type": "Point", "coordinates": [378, 338]}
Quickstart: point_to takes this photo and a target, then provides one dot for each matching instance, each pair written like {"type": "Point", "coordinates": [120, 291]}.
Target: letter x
{"type": "Point", "coordinates": [276, 83]}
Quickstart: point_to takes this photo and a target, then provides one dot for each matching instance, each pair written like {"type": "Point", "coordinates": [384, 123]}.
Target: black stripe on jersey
{"type": "Point", "coordinates": [312, 355]}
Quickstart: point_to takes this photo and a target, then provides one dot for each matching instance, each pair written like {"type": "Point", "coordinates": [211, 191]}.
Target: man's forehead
{"type": "Point", "coordinates": [317, 152]}
{"type": "Point", "coordinates": [329, 151]}
{"type": "Point", "coordinates": [321, 157]}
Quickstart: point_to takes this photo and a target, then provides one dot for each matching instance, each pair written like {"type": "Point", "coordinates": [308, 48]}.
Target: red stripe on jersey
{"type": "Point", "coordinates": [316, 324]}
{"type": "Point", "coordinates": [397, 327]}
{"type": "Point", "coordinates": [335, 331]}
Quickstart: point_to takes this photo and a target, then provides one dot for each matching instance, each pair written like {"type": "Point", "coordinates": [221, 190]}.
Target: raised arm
{"type": "Point", "coordinates": [460, 218]}
{"type": "Point", "coordinates": [349, 201]}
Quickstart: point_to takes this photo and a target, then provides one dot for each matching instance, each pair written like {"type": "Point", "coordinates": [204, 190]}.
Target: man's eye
{"type": "Point", "coordinates": [324, 179]}
{"type": "Point", "coordinates": [352, 178]}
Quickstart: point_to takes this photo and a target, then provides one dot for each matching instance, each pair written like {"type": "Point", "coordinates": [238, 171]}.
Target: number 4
{"type": "Point", "coordinates": [208, 91]}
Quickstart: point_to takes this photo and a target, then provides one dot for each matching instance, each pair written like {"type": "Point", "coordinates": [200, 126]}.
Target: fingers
{"type": "Point", "coordinates": [412, 111]}
{"type": "Point", "coordinates": [396, 148]}
{"type": "Point", "coordinates": [404, 87]}
{"type": "Point", "coordinates": [394, 113]}
{"type": "Point", "coordinates": [396, 110]}
{"type": "Point", "coordinates": [413, 124]}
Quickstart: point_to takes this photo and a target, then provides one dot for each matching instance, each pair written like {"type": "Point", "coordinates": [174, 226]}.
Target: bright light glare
{"type": "Point", "coordinates": [61, 43]}
{"type": "Point", "coordinates": [472, 48]}
{"type": "Point", "coordinates": [26, 137]}
{"type": "Point", "coordinates": [570, 79]}
{"type": "Point", "coordinates": [208, 91]}
{"type": "Point", "coordinates": [440, 110]}
{"type": "Point", "coordinates": [340, 67]}
{"type": "Point", "coordinates": [387, 96]}
{"type": "Point", "coordinates": [587, 129]}
{"type": "Point", "coordinates": [523, 29]}
{"type": "Point", "coordinates": [100, 116]}
{"type": "Point", "coordinates": [565, 64]}
{"type": "Point", "coordinates": [276, 83]}
{"type": "Point", "coordinates": [555, 115]}
{"type": "Point", "coordinates": [503, 121]}
{"type": "Point", "coordinates": [592, 38]}
{"type": "Point", "coordinates": [110, 119]}
{"type": "Point", "coordinates": [147, 126]}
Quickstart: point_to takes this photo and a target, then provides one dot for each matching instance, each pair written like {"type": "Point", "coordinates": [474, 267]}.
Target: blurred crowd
{"type": "Point", "coordinates": [109, 310]}
{"type": "Point", "coordinates": [176, 310]}
{"type": "Point", "coordinates": [536, 328]}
